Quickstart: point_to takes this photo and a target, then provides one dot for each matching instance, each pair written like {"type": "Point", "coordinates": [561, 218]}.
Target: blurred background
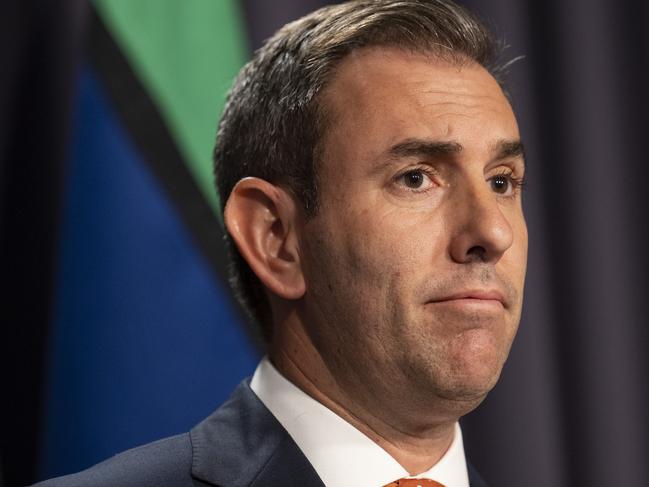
{"type": "Point", "coordinates": [117, 325]}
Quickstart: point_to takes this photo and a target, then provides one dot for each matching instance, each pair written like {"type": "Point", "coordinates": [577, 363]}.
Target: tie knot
{"type": "Point", "coordinates": [414, 483]}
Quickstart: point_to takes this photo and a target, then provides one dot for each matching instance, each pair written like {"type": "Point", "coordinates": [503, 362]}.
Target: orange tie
{"type": "Point", "coordinates": [414, 483]}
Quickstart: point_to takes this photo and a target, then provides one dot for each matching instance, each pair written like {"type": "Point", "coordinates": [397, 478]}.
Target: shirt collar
{"type": "Point", "coordinates": [339, 453]}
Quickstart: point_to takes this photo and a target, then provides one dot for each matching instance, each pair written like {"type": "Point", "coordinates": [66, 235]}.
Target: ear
{"type": "Point", "coordinates": [262, 220]}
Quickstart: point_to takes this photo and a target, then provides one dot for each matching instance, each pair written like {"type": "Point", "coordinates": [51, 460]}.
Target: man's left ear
{"type": "Point", "coordinates": [263, 219]}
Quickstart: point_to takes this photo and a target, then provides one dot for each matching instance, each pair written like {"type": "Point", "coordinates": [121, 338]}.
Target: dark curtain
{"type": "Point", "coordinates": [40, 46]}
{"type": "Point", "coordinates": [572, 405]}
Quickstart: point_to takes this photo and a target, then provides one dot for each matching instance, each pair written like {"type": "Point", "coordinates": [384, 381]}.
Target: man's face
{"type": "Point", "coordinates": [416, 260]}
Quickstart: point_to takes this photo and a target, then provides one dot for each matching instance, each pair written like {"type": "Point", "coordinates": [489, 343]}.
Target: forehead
{"type": "Point", "coordinates": [378, 96]}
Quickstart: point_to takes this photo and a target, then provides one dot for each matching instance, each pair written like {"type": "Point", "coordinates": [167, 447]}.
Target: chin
{"type": "Point", "coordinates": [473, 366]}
{"type": "Point", "coordinates": [466, 392]}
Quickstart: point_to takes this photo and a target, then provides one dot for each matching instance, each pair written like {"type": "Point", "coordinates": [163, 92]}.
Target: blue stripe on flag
{"type": "Point", "coordinates": [144, 341]}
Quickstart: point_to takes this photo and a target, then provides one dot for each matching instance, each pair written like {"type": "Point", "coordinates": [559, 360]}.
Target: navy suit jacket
{"type": "Point", "coordinates": [240, 445]}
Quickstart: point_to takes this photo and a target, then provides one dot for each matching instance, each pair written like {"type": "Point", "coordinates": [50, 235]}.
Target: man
{"type": "Point", "coordinates": [370, 169]}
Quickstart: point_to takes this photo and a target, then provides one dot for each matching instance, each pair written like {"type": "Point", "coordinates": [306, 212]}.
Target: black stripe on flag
{"type": "Point", "coordinates": [152, 137]}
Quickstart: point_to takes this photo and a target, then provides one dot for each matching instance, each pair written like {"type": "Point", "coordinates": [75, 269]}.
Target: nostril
{"type": "Point", "coordinates": [477, 252]}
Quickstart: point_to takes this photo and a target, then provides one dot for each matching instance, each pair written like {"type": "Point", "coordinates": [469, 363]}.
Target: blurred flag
{"type": "Point", "coordinates": [145, 340]}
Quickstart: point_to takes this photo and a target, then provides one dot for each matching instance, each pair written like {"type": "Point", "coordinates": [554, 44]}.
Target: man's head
{"type": "Point", "coordinates": [274, 121]}
{"type": "Point", "coordinates": [382, 213]}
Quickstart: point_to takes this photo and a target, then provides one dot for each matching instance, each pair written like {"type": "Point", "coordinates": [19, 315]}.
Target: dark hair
{"type": "Point", "coordinates": [272, 122]}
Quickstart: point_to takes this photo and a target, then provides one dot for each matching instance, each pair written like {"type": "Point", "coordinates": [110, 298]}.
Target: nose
{"type": "Point", "coordinates": [481, 232]}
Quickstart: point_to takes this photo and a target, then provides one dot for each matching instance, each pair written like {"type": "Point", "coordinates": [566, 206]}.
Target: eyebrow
{"type": "Point", "coordinates": [416, 147]}
{"type": "Point", "coordinates": [509, 149]}
{"type": "Point", "coordinates": [503, 149]}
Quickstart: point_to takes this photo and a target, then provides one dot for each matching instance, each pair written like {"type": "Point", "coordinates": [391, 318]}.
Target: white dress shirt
{"type": "Point", "coordinates": [341, 455]}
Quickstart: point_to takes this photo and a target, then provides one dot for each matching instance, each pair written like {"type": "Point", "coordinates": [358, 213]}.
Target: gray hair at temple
{"type": "Point", "coordinates": [273, 123]}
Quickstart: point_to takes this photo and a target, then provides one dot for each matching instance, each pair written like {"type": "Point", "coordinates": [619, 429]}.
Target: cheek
{"type": "Point", "coordinates": [405, 241]}
{"type": "Point", "coordinates": [373, 255]}
{"type": "Point", "coordinates": [516, 257]}
{"type": "Point", "coordinates": [350, 266]}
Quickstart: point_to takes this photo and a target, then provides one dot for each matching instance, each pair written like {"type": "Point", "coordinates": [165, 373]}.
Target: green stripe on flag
{"type": "Point", "coordinates": [186, 53]}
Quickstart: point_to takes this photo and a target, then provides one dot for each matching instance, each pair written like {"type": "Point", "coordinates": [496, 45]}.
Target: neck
{"type": "Point", "coordinates": [417, 445]}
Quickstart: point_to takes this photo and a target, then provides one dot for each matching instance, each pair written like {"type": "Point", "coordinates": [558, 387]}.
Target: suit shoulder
{"type": "Point", "coordinates": [163, 462]}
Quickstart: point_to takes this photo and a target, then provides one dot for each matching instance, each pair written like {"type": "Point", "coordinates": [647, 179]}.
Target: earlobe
{"type": "Point", "coordinates": [262, 219]}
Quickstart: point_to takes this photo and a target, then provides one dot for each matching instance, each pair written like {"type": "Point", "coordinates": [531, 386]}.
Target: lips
{"type": "Point", "coordinates": [477, 297]}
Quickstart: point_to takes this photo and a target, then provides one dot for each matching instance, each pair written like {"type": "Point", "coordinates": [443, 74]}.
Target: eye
{"type": "Point", "coordinates": [500, 184]}
{"type": "Point", "coordinates": [413, 179]}
{"type": "Point", "coordinates": [417, 180]}
{"type": "Point", "coordinates": [506, 184]}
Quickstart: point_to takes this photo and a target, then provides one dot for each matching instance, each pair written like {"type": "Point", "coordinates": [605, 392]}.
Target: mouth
{"type": "Point", "coordinates": [477, 298]}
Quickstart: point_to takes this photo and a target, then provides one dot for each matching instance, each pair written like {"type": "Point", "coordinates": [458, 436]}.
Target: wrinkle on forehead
{"type": "Point", "coordinates": [468, 96]}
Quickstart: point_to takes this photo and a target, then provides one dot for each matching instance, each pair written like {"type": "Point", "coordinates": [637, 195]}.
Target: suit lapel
{"type": "Point", "coordinates": [242, 445]}
{"type": "Point", "coordinates": [474, 477]}
{"type": "Point", "coordinates": [288, 467]}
